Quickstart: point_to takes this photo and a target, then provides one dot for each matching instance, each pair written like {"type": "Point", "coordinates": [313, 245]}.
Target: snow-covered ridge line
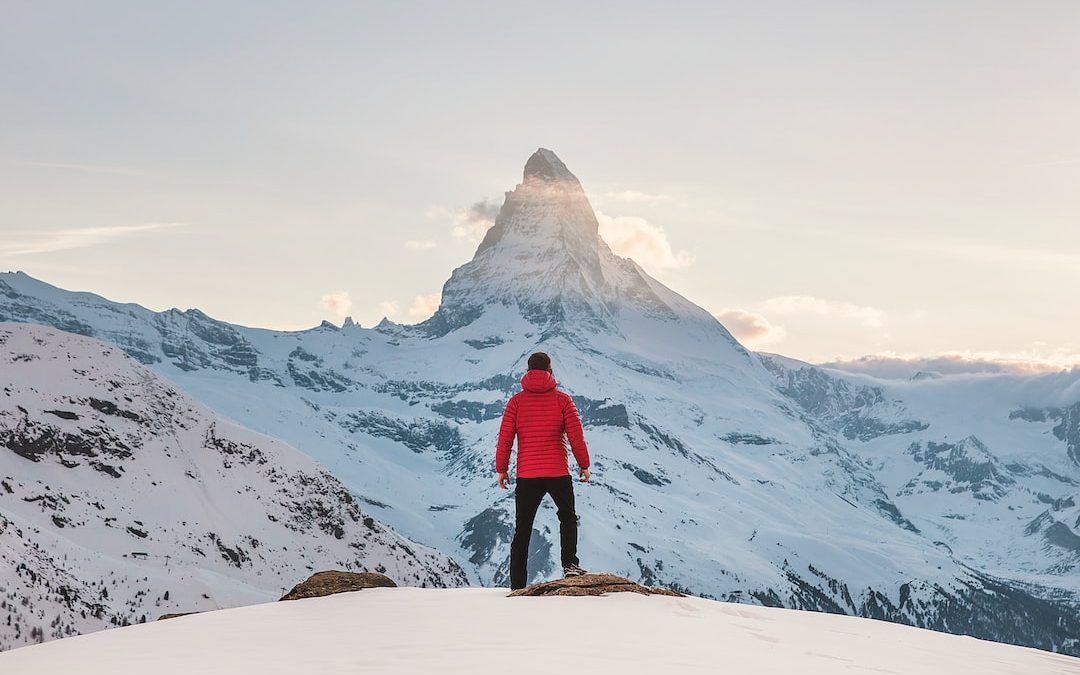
{"type": "Point", "coordinates": [420, 631]}
{"type": "Point", "coordinates": [122, 499]}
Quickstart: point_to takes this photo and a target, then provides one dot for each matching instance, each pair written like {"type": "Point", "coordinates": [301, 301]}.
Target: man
{"type": "Point", "coordinates": [542, 418]}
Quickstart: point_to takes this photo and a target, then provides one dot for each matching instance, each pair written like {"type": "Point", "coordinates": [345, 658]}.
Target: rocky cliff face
{"type": "Point", "coordinates": [122, 498]}
{"type": "Point", "coordinates": [716, 472]}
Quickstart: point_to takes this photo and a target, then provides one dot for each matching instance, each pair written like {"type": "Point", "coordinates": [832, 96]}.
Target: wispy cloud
{"type": "Point", "coordinates": [644, 243]}
{"type": "Point", "coordinates": [750, 328]}
{"type": "Point", "coordinates": [1007, 255]}
{"type": "Point", "coordinates": [634, 196]}
{"type": "Point", "coordinates": [872, 317]}
{"type": "Point", "coordinates": [389, 308]}
{"type": "Point", "coordinates": [471, 222]}
{"type": "Point", "coordinates": [339, 303]}
{"type": "Point", "coordinates": [422, 307]}
{"type": "Point", "coordinates": [29, 243]}
{"type": "Point", "coordinates": [891, 365]}
{"type": "Point", "coordinates": [419, 244]}
{"type": "Point", "coordinates": [86, 168]}
{"type": "Point", "coordinates": [1052, 162]}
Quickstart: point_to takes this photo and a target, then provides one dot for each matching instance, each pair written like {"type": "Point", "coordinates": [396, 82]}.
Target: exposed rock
{"type": "Point", "coordinates": [964, 466]}
{"type": "Point", "coordinates": [418, 434]}
{"type": "Point", "coordinates": [175, 616]}
{"type": "Point", "coordinates": [592, 584]}
{"type": "Point", "coordinates": [545, 165]}
{"type": "Point", "coordinates": [335, 581]}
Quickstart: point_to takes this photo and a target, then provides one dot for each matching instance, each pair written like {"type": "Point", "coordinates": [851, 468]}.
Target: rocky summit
{"type": "Point", "coordinates": [336, 581]}
{"type": "Point", "coordinates": [591, 584]}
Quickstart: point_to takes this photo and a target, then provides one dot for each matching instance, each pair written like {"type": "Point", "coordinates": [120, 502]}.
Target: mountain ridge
{"type": "Point", "coordinates": [626, 632]}
{"type": "Point", "coordinates": [717, 472]}
{"type": "Point", "coordinates": [121, 498]}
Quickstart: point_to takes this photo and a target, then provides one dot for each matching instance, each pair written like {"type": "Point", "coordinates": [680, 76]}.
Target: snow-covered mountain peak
{"type": "Point", "coordinates": [547, 209]}
{"type": "Point", "coordinates": [545, 260]}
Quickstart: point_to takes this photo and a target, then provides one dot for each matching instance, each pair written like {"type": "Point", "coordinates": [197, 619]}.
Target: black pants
{"type": "Point", "coordinates": [528, 494]}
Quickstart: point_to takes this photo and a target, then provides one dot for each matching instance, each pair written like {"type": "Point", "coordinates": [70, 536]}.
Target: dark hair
{"type": "Point", "coordinates": [539, 361]}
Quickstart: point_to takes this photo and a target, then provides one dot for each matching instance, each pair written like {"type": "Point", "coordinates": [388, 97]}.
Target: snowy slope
{"type": "Point", "coordinates": [422, 631]}
{"type": "Point", "coordinates": [122, 499]}
{"type": "Point", "coordinates": [718, 471]}
{"type": "Point", "coordinates": [993, 473]}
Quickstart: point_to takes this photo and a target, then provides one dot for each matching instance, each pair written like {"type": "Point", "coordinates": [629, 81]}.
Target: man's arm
{"type": "Point", "coordinates": [507, 430]}
{"type": "Point", "coordinates": [576, 434]}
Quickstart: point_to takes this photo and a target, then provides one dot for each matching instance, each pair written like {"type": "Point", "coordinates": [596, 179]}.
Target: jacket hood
{"type": "Point", "coordinates": [538, 381]}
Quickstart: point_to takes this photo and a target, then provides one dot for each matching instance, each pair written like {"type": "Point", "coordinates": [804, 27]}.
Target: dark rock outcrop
{"type": "Point", "coordinates": [591, 584]}
{"type": "Point", "coordinates": [175, 616]}
{"type": "Point", "coordinates": [324, 583]}
{"type": "Point", "coordinates": [334, 581]}
{"type": "Point", "coordinates": [859, 412]}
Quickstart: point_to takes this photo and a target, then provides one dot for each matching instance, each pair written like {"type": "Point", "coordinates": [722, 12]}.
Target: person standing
{"type": "Point", "coordinates": [542, 418]}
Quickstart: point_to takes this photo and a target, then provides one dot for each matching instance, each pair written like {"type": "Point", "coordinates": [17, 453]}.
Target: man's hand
{"type": "Point", "coordinates": [504, 479]}
{"type": "Point", "coordinates": [585, 475]}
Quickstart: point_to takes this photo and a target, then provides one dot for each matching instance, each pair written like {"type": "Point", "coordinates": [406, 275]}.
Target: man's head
{"type": "Point", "coordinates": [540, 361]}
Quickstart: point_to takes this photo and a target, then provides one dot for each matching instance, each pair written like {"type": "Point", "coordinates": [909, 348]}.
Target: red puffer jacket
{"type": "Point", "coordinates": [542, 418]}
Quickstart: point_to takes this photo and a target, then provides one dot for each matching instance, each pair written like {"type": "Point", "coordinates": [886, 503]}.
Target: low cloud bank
{"type": "Point", "coordinates": [893, 366]}
{"type": "Point", "coordinates": [872, 317]}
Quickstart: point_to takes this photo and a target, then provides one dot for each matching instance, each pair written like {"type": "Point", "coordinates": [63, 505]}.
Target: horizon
{"type": "Point", "coordinates": [828, 193]}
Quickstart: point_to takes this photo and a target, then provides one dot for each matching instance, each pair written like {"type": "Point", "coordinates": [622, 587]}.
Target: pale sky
{"type": "Point", "coordinates": [832, 178]}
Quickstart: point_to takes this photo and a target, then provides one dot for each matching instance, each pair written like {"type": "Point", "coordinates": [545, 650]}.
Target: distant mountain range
{"type": "Point", "coordinates": [947, 502]}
